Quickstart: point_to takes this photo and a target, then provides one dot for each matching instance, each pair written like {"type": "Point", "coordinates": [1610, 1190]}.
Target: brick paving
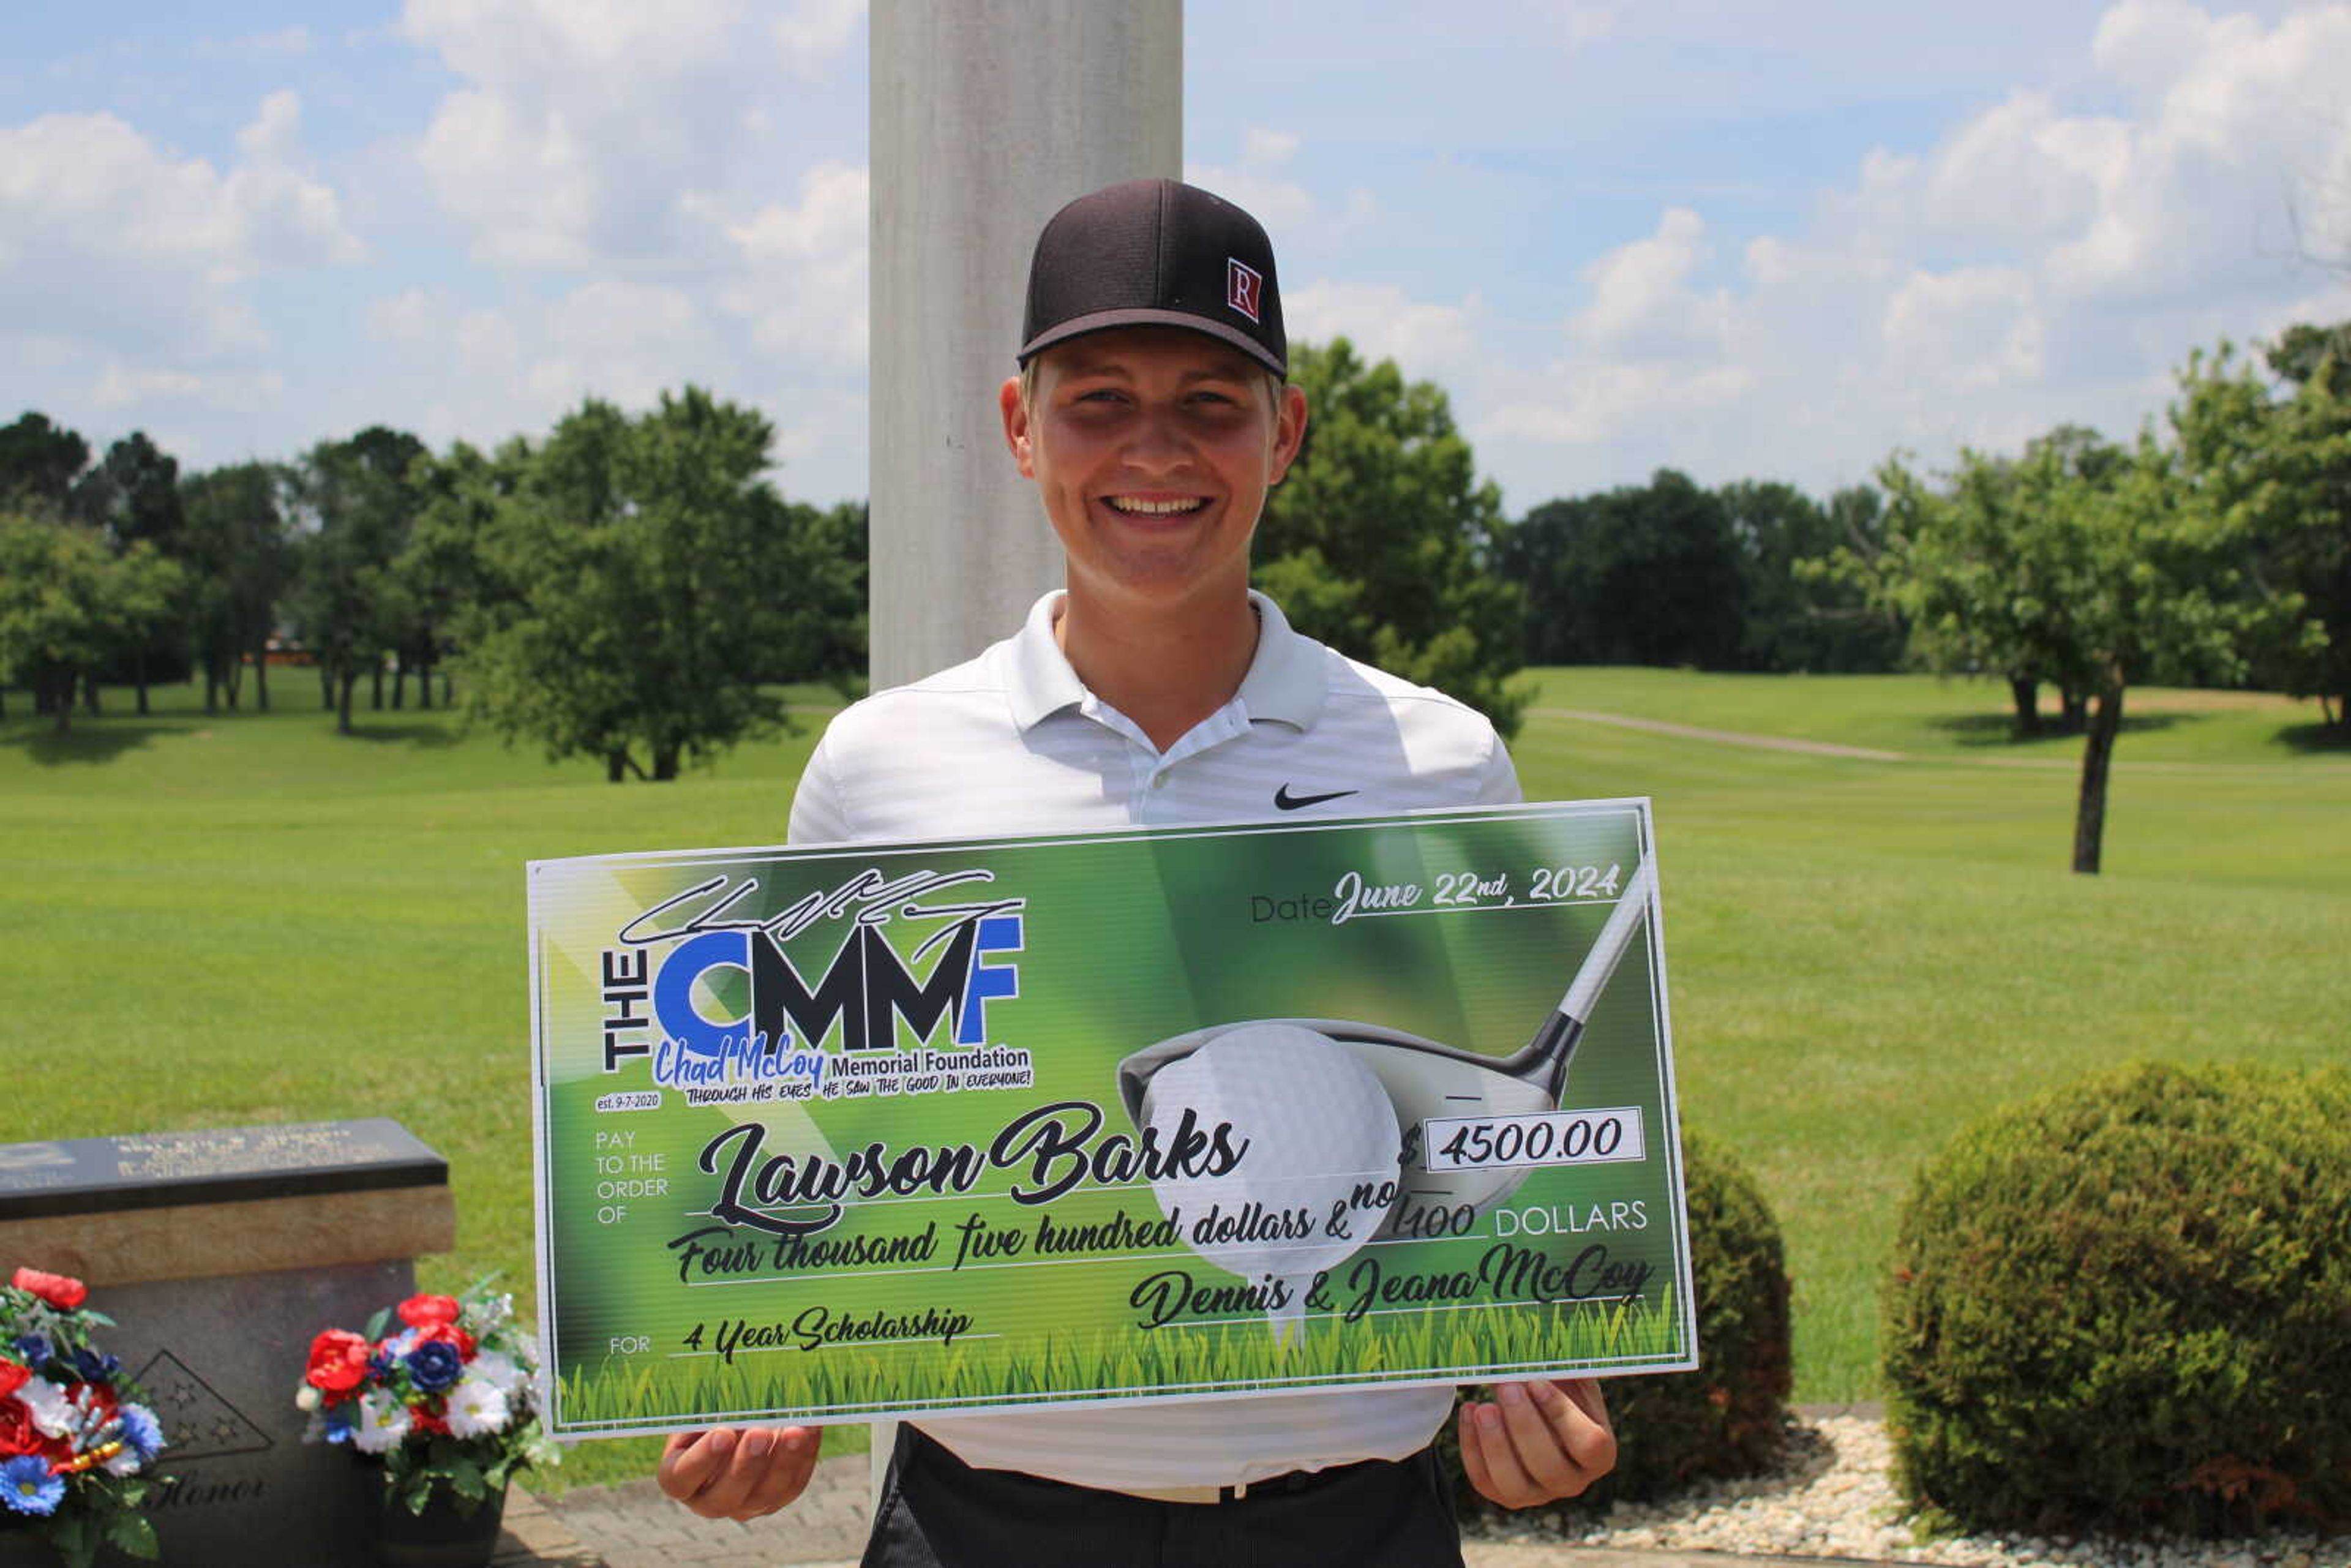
{"type": "Point", "coordinates": [532, 1535]}
{"type": "Point", "coordinates": [633, 1525]}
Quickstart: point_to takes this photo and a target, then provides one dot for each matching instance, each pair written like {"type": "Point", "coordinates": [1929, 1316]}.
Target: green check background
{"type": "Point", "coordinates": [1131, 937]}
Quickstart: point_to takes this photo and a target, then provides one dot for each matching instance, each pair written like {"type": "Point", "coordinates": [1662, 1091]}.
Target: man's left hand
{"type": "Point", "coordinates": [1537, 1442]}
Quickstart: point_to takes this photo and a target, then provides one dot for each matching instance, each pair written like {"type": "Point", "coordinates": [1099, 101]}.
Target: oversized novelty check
{"type": "Point", "coordinates": [830, 1133]}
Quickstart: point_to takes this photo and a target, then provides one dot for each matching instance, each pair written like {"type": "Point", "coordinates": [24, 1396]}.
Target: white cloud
{"type": "Point", "coordinates": [2147, 45]}
{"type": "Point", "coordinates": [1262, 186]}
{"type": "Point", "coordinates": [1263, 149]}
{"type": "Point", "coordinates": [802, 281]}
{"type": "Point", "coordinates": [479, 350]}
{"type": "Point", "coordinates": [1642, 303]}
{"type": "Point", "coordinates": [624, 342]}
{"type": "Point", "coordinates": [1428, 341]}
{"type": "Point", "coordinates": [2037, 265]}
{"type": "Point", "coordinates": [686, 220]}
{"type": "Point", "coordinates": [537, 41]}
{"type": "Point", "coordinates": [1971, 330]}
{"type": "Point", "coordinates": [90, 186]}
{"type": "Point", "coordinates": [2231, 125]}
{"type": "Point", "coordinates": [92, 210]}
{"type": "Point", "coordinates": [2022, 174]}
{"type": "Point", "coordinates": [457, 370]}
{"type": "Point", "coordinates": [120, 386]}
{"type": "Point", "coordinates": [813, 33]}
{"type": "Point", "coordinates": [583, 125]}
{"type": "Point", "coordinates": [1649, 346]}
{"type": "Point", "coordinates": [407, 317]}
{"type": "Point", "coordinates": [526, 182]}
{"type": "Point", "coordinates": [820, 433]}
{"type": "Point", "coordinates": [492, 372]}
{"type": "Point", "coordinates": [1604, 400]}
{"type": "Point", "coordinates": [665, 194]}
{"type": "Point", "coordinates": [275, 137]}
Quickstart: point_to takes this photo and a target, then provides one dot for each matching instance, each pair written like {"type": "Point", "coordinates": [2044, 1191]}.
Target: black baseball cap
{"type": "Point", "coordinates": [1155, 252]}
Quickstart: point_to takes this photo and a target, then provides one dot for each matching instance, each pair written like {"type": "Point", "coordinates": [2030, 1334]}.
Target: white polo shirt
{"type": "Point", "coordinates": [1012, 742]}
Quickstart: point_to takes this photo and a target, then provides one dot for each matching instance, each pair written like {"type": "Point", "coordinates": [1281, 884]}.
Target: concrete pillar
{"type": "Point", "coordinates": [988, 115]}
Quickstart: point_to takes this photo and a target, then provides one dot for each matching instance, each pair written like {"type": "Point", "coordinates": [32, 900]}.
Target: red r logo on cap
{"type": "Point", "coordinates": [1244, 286]}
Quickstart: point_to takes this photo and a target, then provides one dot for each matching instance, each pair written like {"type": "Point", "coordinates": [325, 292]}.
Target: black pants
{"type": "Point", "coordinates": [938, 1512]}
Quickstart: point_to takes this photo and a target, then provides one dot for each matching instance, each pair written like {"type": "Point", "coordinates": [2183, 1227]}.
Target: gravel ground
{"type": "Point", "coordinates": [1834, 1499]}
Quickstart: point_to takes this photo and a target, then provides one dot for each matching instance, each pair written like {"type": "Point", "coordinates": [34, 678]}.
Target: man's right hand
{"type": "Point", "coordinates": [739, 1474]}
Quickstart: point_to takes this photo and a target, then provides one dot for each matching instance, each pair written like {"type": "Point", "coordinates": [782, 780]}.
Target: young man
{"type": "Point", "coordinates": [1153, 414]}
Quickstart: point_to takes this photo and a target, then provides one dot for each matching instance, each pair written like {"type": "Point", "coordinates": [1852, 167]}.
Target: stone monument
{"type": "Point", "coordinates": [220, 1255]}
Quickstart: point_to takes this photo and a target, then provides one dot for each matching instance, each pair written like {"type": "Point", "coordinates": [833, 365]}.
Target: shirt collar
{"type": "Point", "coordinates": [1286, 681]}
{"type": "Point", "coordinates": [1039, 680]}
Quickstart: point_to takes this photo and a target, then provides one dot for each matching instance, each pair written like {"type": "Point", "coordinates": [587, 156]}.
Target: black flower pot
{"type": "Point", "coordinates": [21, 1546]}
{"type": "Point", "coordinates": [440, 1537]}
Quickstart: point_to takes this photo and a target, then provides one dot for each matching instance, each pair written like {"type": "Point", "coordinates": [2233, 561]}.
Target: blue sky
{"type": "Point", "coordinates": [1745, 241]}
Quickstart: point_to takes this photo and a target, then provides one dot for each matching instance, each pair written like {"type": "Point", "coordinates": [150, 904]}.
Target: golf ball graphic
{"type": "Point", "coordinates": [1319, 1127]}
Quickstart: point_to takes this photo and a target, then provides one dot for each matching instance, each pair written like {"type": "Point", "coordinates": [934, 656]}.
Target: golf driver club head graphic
{"type": "Point", "coordinates": [1424, 1079]}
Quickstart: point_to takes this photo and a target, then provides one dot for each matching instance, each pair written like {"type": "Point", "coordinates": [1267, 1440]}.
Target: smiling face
{"type": "Point", "coordinates": [1152, 448]}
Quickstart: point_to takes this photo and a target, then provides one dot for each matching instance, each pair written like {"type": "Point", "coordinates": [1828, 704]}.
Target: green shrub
{"type": "Point", "coordinates": [1728, 1418]}
{"type": "Point", "coordinates": [2126, 1304]}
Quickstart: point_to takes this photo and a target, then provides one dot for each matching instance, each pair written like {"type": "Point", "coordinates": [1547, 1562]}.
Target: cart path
{"type": "Point", "coordinates": [2319, 766]}
{"type": "Point", "coordinates": [1722, 737]}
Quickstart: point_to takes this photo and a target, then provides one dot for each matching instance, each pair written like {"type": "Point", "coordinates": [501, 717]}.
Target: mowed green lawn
{"type": "Point", "coordinates": [1931, 716]}
{"type": "Point", "coordinates": [246, 918]}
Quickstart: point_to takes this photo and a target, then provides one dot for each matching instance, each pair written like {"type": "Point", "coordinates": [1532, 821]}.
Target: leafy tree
{"type": "Point", "coordinates": [39, 463]}
{"type": "Point", "coordinates": [1774, 524]}
{"type": "Point", "coordinates": [2159, 599]}
{"type": "Point", "coordinates": [840, 535]}
{"type": "Point", "coordinates": [637, 578]}
{"type": "Point", "coordinates": [440, 573]}
{"type": "Point", "coordinates": [2081, 563]}
{"type": "Point", "coordinates": [133, 494]}
{"type": "Point", "coordinates": [133, 497]}
{"type": "Point", "coordinates": [2277, 466]}
{"type": "Point", "coordinates": [1982, 572]}
{"type": "Point", "coordinates": [1857, 522]}
{"type": "Point", "coordinates": [1645, 574]}
{"type": "Point", "coordinates": [67, 603]}
{"type": "Point", "coordinates": [361, 501]}
{"type": "Point", "coordinates": [240, 562]}
{"type": "Point", "coordinates": [1798, 619]}
{"type": "Point", "coordinates": [1533, 554]}
{"type": "Point", "coordinates": [51, 607]}
{"type": "Point", "coordinates": [2303, 352]}
{"type": "Point", "coordinates": [1381, 541]}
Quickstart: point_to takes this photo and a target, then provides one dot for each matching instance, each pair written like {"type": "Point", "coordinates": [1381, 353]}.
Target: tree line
{"type": "Point", "coordinates": [627, 586]}
{"type": "Point", "coordinates": [624, 588]}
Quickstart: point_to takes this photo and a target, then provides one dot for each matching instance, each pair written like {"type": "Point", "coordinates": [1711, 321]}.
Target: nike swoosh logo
{"type": "Point", "coordinates": [1283, 800]}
